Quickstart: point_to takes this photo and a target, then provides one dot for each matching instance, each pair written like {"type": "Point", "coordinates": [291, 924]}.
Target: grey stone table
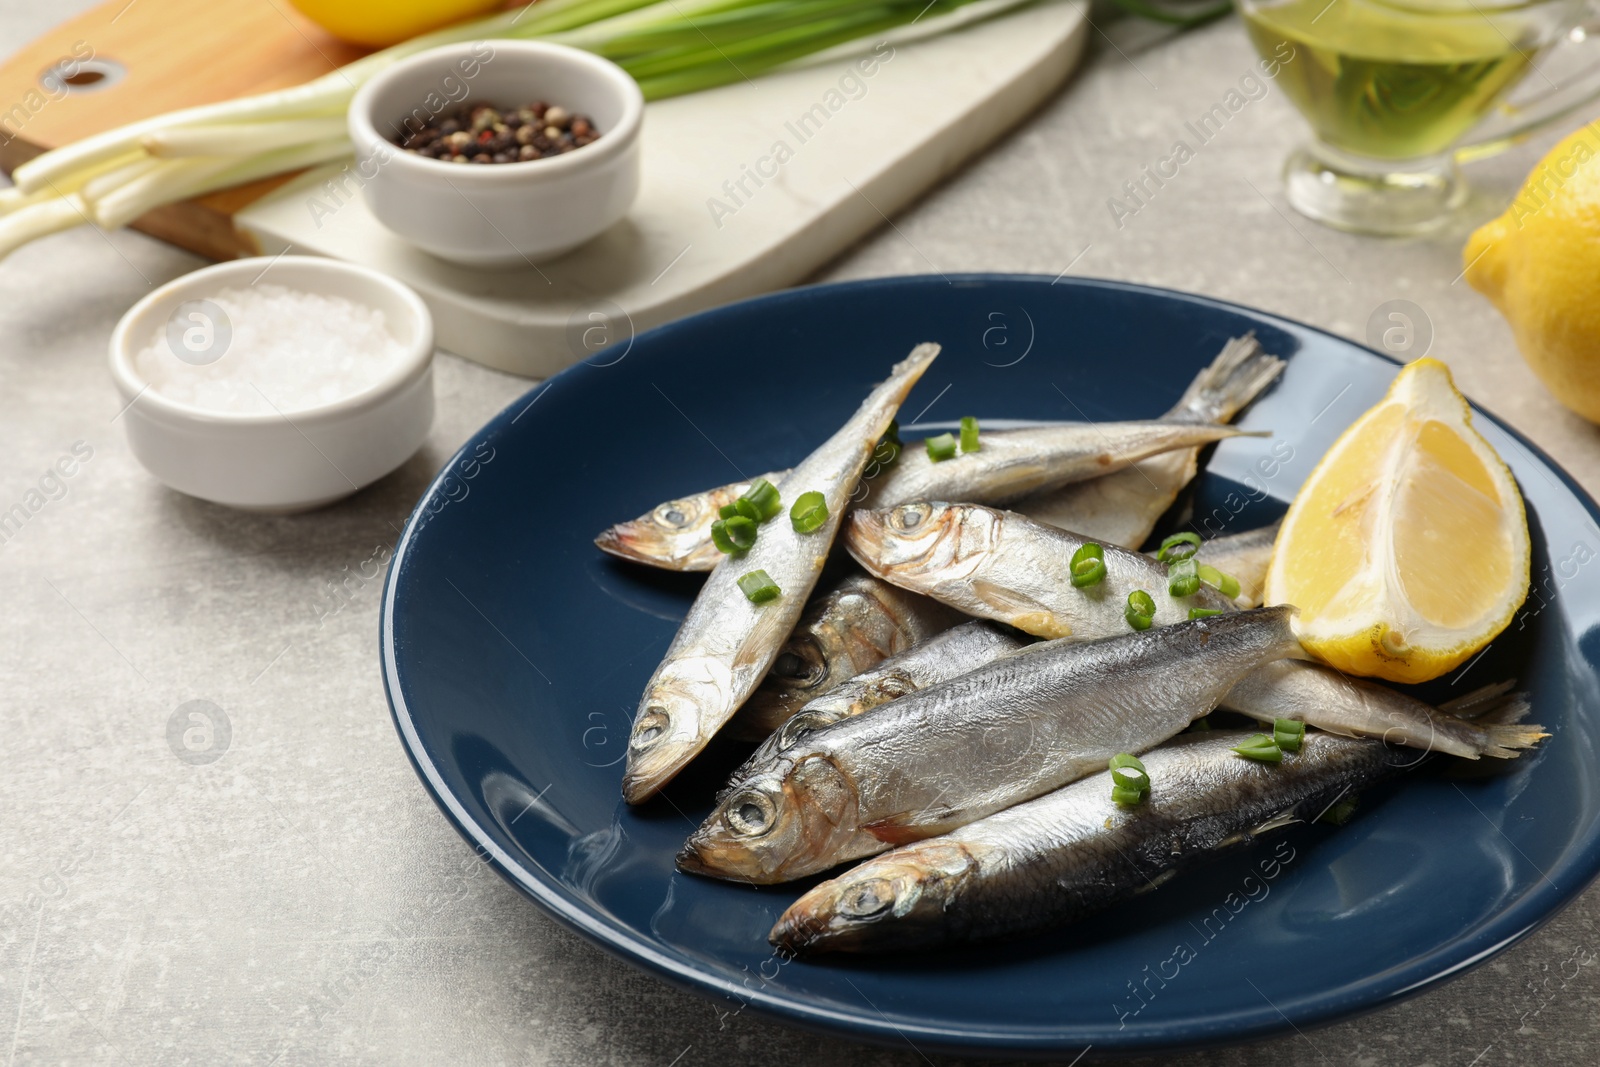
{"type": "Point", "coordinates": [299, 900]}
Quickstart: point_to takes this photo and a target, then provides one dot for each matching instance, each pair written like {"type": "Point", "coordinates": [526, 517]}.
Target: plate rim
{"type": "Point", "coordinates": [1415, 976]}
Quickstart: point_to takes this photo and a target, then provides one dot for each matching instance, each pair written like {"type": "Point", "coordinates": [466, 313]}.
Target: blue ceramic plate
{"type": "Point", "coordinates": [514, 652]}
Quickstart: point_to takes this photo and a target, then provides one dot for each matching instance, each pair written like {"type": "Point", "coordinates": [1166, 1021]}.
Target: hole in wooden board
{"type": "Point", "coordinates": [81, 76]}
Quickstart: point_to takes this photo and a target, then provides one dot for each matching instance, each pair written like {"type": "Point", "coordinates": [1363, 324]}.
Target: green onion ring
{"type": "Point", "coordinates": [1226, 584]}
{"type": "Point", "coordinates": [759, 587]}
{"type": "Point", "coordinates": [1172, 549]}
{"type": "Point", "coordinates": [809, 512]}
{"type": "Point", "coordinates": [1141, 610]}
{"type": "Point", "coordinates": [1088, 565]}
{"type": "Point", "coordinates": [969, 434]}
{"type": "Point", "coordinates": [1183, 578]}
{"type": "Point", "coordinates": [1288, 734]}
{"type": "Point", "coordinates": [941, 448]}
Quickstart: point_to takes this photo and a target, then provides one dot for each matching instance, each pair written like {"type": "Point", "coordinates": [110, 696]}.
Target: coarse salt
{"type": "Point", "coordinates": [274, 349]}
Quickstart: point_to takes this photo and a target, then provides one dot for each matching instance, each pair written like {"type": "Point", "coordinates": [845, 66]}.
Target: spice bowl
{"type": "Point", "coordinates": [301, 448]}
{"type": "Point", "coordinates": [498, 215]}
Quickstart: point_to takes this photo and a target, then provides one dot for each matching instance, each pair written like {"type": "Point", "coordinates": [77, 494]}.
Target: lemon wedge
{"type": "Point", "coordinates": [1407, 549]}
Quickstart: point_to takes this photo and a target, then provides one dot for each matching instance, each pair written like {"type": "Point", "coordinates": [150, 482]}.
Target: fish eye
{"type": "Point", "coordinates": [801, 664]}
{"type": "Point", "coordinates": [910, 516]}
{"type": "Point", "coordinates": [672, 515]}
{"type": "Point", "coordinates": [651, 726]}
{"type": "Point", "coordinates": [751, 813]}
{"type": "Point", "coordinates": [869, 899]}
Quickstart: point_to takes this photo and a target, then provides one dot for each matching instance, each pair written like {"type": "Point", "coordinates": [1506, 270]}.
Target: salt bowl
{"type": "Point", "coordinates": [275, 384]}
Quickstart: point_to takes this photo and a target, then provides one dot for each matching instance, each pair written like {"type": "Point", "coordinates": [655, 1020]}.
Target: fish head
{"type": "Point", "coordinates": [669, 728]}
{"type": "Point", "coordinates": [847, 633]}
{"type": "Point", "coordinates": [781, 823]}
{"type": "Point", "coordinates": [894, 901]}
{"type": "Point", "coordinates": [675, 534]}
{"type": "Point", "coordinates": [916, 546]}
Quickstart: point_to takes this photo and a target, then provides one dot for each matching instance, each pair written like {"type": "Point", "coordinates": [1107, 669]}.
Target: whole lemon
{"type": "Point", "coordinates": [381, 23]}
{"type": "Point", "coordinates": [1539, 263]}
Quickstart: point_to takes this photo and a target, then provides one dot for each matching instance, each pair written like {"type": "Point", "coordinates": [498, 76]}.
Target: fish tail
{"type": "Point", "coordinates": [1507, 741]}
{"type": "Point", "coordinates": [1237, 376]}
{"type": "Point", "coordinates": [1499, 711]}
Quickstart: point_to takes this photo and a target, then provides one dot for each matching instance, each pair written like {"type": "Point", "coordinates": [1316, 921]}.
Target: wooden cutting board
{"type": "Point", "coordinates": [153, 56]}
{"type": "Point", "coordinates": [701, 233]}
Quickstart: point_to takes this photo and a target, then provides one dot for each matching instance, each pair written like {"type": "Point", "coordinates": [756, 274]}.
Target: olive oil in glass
{"type": "Point", "coordinates": [1390, 81]}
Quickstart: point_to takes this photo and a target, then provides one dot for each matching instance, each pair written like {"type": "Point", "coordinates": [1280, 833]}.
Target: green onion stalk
{"type": "Point", "coordinates": [670, 47]}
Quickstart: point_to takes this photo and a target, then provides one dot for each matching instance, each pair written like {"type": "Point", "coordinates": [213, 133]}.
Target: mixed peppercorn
{"type": "Point", "coordinates": [479, 133]}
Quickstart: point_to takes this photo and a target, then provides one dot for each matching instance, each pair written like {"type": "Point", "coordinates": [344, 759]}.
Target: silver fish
{"type": "Point", "coordinates": [676, 536]}
{"type": "Point", "coordinates": [852, 627]}
{"type": "Point", "coordinates": [1122, 508]}
{"type": "Point", "coordinates": [1004, 566]}
{"type": "Point", "coordinates": [941, 657]}
{"type": "Point", "coordinates": [726, 643]}
{"type": "Point", "coordinates": [1069, 853]}
{"type": "Point", "coordinates": [1010, 463]}
{"type": "Point", "coordinates": [962, 749]}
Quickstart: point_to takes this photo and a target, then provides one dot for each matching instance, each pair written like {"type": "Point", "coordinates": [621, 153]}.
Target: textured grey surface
{"type": "Point", "coordinates": [301, 901]}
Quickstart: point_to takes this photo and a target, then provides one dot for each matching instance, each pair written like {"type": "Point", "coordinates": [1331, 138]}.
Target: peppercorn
{"type": "Point", "coordinates": [481, 133]}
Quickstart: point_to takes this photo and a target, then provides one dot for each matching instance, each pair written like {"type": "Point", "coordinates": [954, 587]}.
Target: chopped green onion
{"type": "Point", "coordinates": [1260, 747]}
{"type": "Point", "coordinates": [747, 509]}
{"type": "Point", "coordinates": [1204, 613]}
{"type": "Point", "coordinates": [1127, 798]}
{"type": "Point", "coordinates": [1340, 813]}
{"type": "Point", "coordinates": [1202, 723]}
{"type": "Point", "coordinates": [941, 448]}
{"type": "Point", "coordinates": [1226, 584]}
{"type": "Point", "coordinates": [887, 450]}
{"type": "Point", "coordinates": [762, 496]}
{"type": "Point", "coordinates": [1141, 610]}
{"type": "Point", "coordinates": [885, 453]}
{"type": "Point", "coordinates": [1128, 773]}
{"type": "Point", "coordinates": [1183, 577]}
{"type": "Point", "coordinates": [759, 587]}
{"type": "Point", "coordinates": [1288, 734]}
{"type": "Point", "coordinates": [1172, 549]}
{"type": "Point", "coordinates": [727, 511]}
{"type": "Point", "coordinates": [810, 511]}
{"type": "Point", "coordinates": [969, 434]}
{"type": "Point", "coordinates": [1088, 565]}
{"type": "Point", "coordinates": [733, 535]}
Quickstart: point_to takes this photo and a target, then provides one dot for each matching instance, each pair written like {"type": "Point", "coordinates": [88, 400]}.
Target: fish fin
{"type": "Point", "coordinates": [898, 830]}
{"type": "Point", "coordinates": [1152, 884]}
{"type": "Point", "coordinates": [1277, 822]}
{"type": "Point", "coordinates": [892, 833]}
{"type": "Point", "coordinates": [1485, 700]}
{"type": "Point", "coordinates": [1237, 376]}
{"type": "Point", "coordinates": [907, 900]}
{"type": "Point", "coordinates": [1024, 613]}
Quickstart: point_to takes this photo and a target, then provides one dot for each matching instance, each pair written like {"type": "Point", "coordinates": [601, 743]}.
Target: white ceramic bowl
{"type": "Point", "coordinates": [271, 462]}
{"type": "Point", "coordinates": [499, 214]}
